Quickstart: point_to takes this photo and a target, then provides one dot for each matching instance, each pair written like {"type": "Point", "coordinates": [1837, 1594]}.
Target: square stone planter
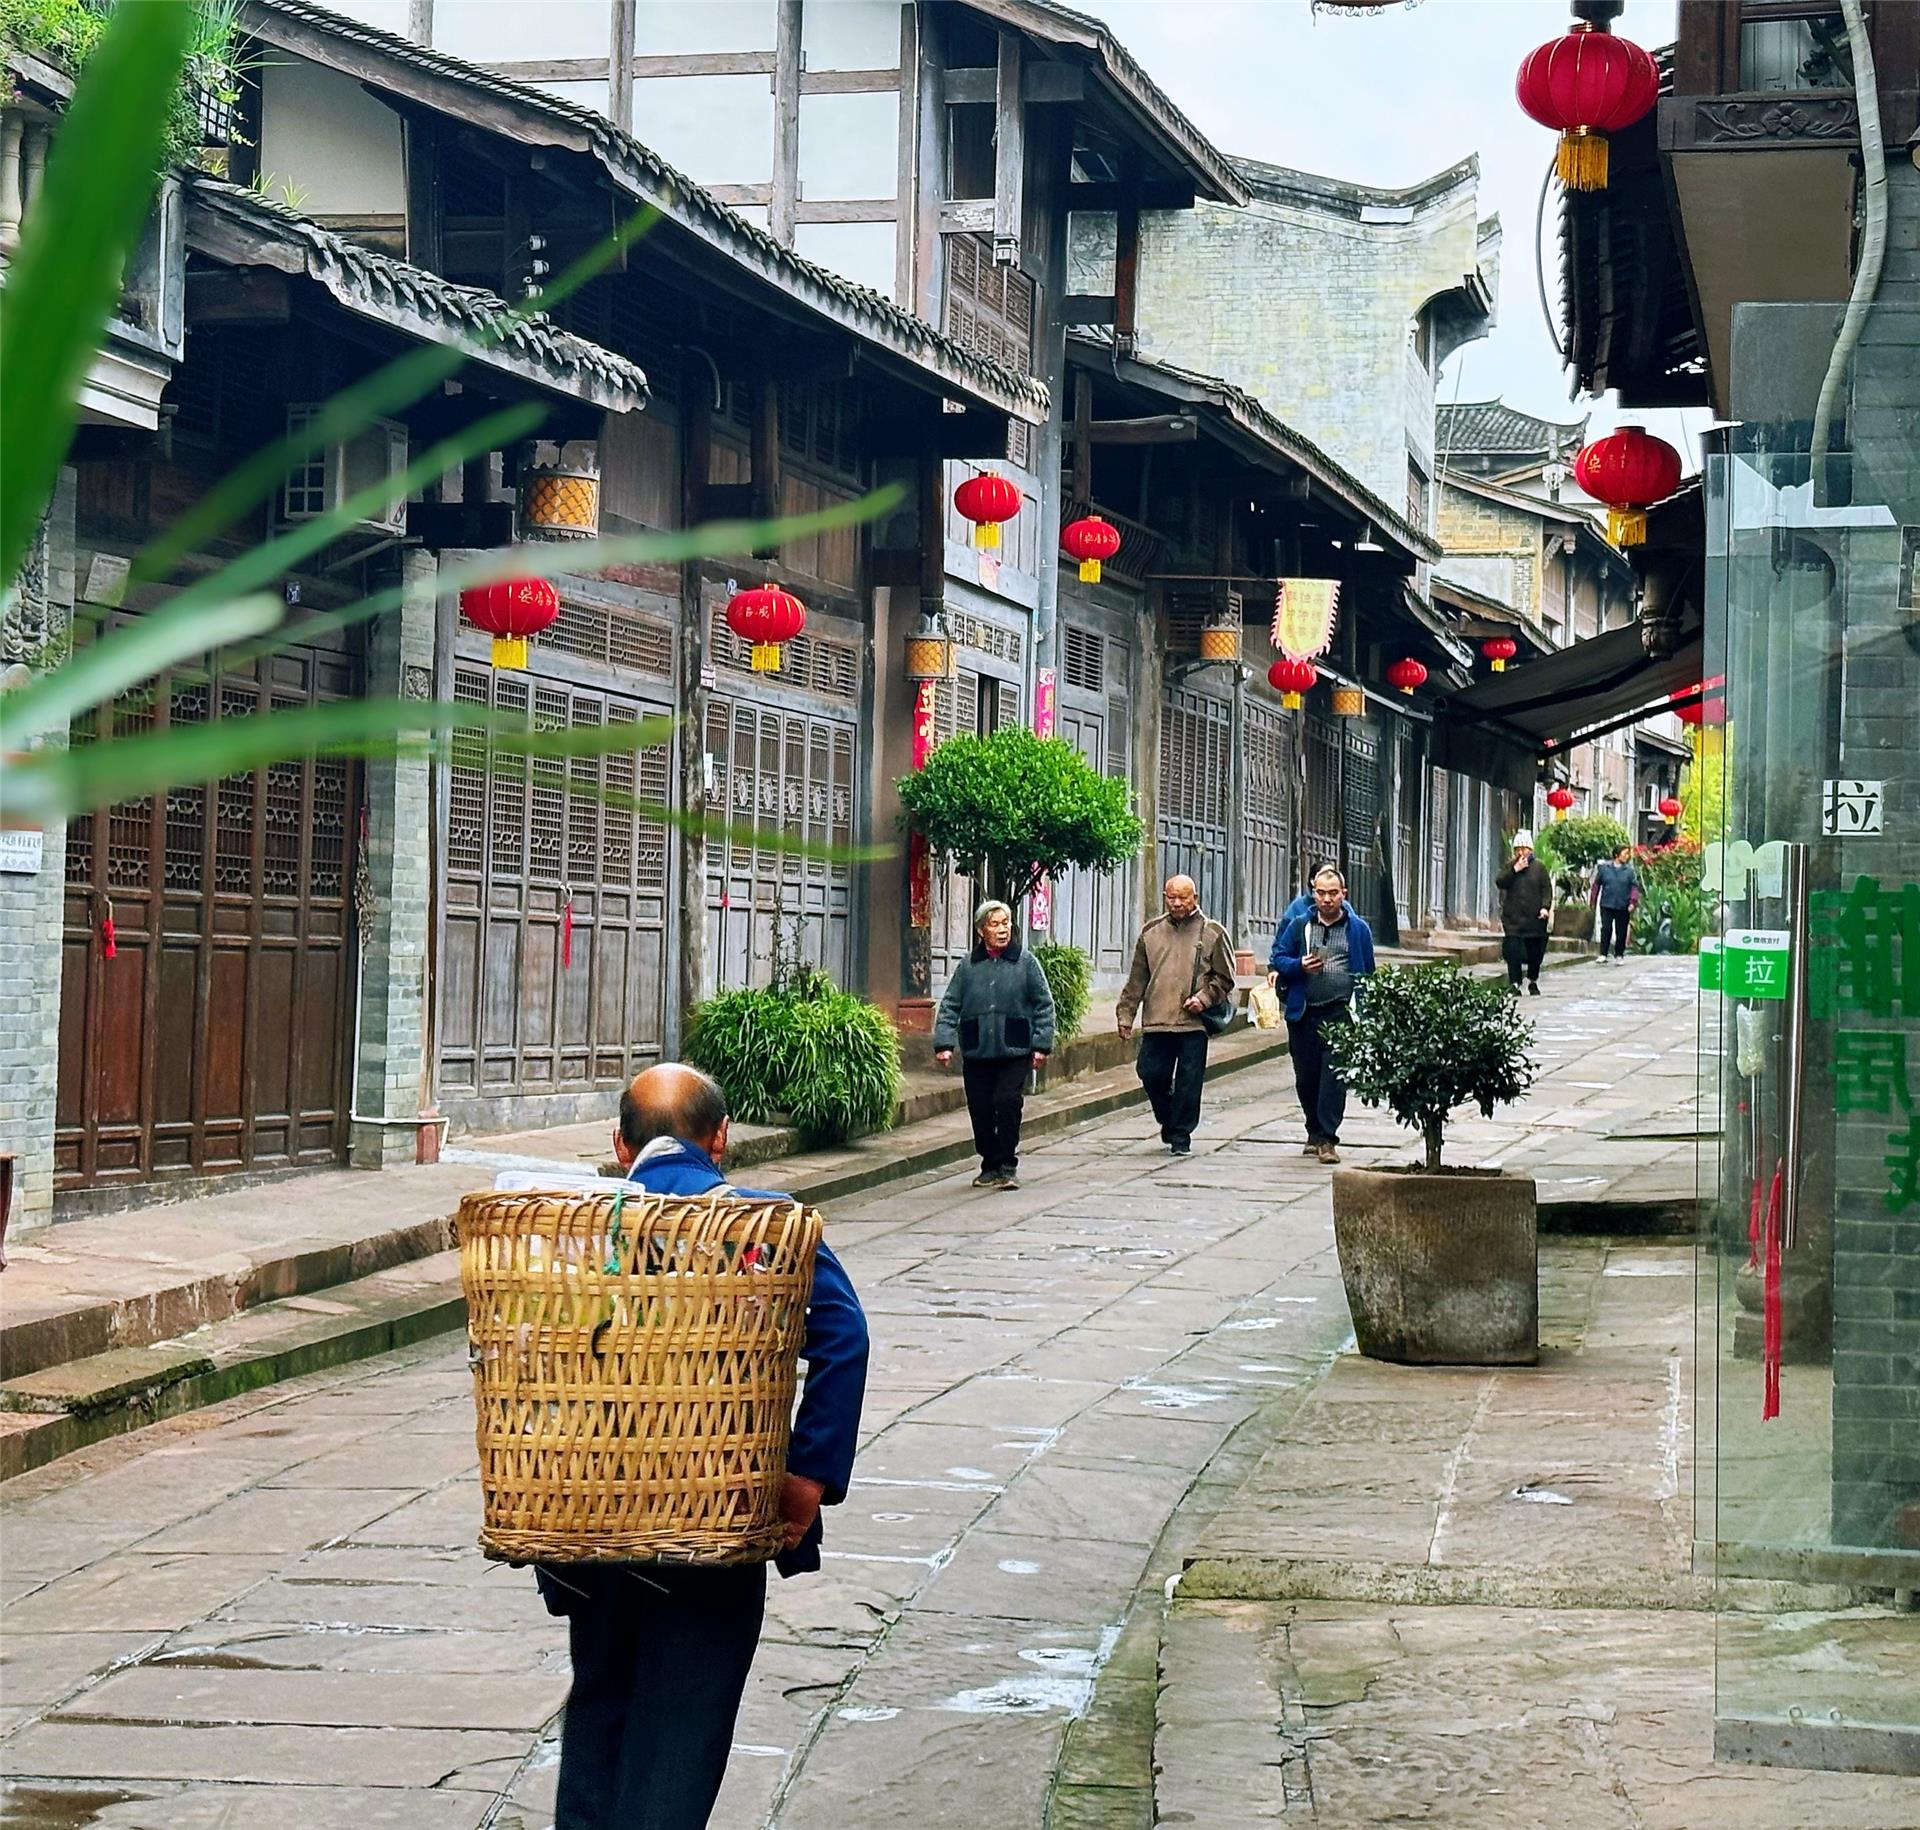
{"type": "Point", "coordinates": [1440, 1270]}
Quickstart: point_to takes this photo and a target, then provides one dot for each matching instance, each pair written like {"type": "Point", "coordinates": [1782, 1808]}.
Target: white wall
{"type": "Point", "coordinates": [859, 251]}
{"type": "Point", "coordinates": [661, 27]}
{"type": "Point", "coordinates": [849, 146]}
{"type": "Point", "coordinates": [323, 133]}
{"type": "Point", "coordinates": [850, 34]}
{"type": "Point", "coordinates": [509, 31]}
{"type": "Point", "coordinates": [716, 129]}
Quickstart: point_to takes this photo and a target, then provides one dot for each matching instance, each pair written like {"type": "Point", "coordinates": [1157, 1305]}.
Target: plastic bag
{"type": "Point", "coordinates": [1263, 1007]}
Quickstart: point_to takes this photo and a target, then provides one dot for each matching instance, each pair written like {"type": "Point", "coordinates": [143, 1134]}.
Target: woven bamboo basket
{"type": "Point", "coordinates": [634, 1360]}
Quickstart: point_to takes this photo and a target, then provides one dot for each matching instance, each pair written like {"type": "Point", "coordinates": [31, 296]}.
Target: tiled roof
{"type": "Point", "coordinates": [647, 176]}
{"type": "Point", "coordinates": [412, 299]}
{"type": "Point", "coordinates": [1473, 427]}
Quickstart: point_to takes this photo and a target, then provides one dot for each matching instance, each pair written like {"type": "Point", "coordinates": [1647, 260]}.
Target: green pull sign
{"type": "Point", "coordinates": [1709, 962]}
{"type": "Point", "coordinates": [1754, 963]}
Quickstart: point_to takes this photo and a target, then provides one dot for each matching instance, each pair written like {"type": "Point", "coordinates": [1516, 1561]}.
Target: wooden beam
{"type": "Point", "coordinates": [1082, 436]}
{"type": "Point", "coordinates": [1126, 259]}
{"type": "Point", "coordinates": [765, 437]}
{"type": "Point", "coordinates": [1040, 83]}
{"type": "Point", "coordinates": [420, 21]}
{"type": "Point", "coordinates": [737, 196]}
{"type": "Point", "coordinates": [1160, 429]}
{"type": "Point", "coordinates": [1009, 154]}
{"type": "Point", "coordinates": [706, 63]}
{"type": "Point", "coordinates": [786, 121]}
{"type": "Point", "coordinates": [696, 459]}
{"type": "Point", "coordinates": [1153, 194]}
{"type": "Point", "coordinates": [620, 41]}
{"type": "Point", "coordinates": [555, 70]}
{"type": "Point", "coordinates": [970, 216]}
{"type": "Point", "coordinates": [238, 295]}
{"type": "Point", "coordinates": [425, 212]}
{"type": "Point", "coordinates": [849, 209]}
{"type": "Point", "coordinates": [849, 82]}
{"type": "Point", "coordinates": [1087, 308]}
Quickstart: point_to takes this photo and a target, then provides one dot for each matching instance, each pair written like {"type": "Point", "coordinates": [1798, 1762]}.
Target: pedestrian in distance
{"type": "Point", "coordinates": [661, 1651]}
{"type": "Point", "coordinates": [1526, 908]}
{"type": "Point", "coordinates": [1321, 957]}
{"type": "Point", "coordinates": [1179, 992]}
{"type": "Point", "coordinates": [998, 1013]}
{"type": "Point", "coordinates": [1616, 893]}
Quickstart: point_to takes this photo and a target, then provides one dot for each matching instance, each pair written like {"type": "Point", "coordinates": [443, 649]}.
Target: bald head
{"type": "Point", "coordinates": [671, 1100]}
{"type": "Point", "coordinates": [1181, 896]}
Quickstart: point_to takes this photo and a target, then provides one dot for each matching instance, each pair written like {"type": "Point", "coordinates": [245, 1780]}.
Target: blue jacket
{"type": "Point", "coordinates": [827, 1426]}
{"type": "Point", "coordinates": [1290, 945]}
{"type": "Point", "coordinates": [1302, 904]}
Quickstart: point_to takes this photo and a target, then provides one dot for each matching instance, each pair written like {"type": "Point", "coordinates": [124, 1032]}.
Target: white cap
{"type": "Point", "coordinates": [1523, 840]}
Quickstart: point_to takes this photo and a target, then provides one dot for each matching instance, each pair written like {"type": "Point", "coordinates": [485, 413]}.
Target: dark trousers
{"type": "Point", "coordinates": [1613, 930]}
{"type": "Point", "coordinates": [660, 1658]}
{"type": "Point", "coordinates": [1524, 951]}
{"type": "Point", "coordinates": [1173, 1069]}
{"type": "Point", "coordinates": [995, 1090]}
{"type": "Point", "coordinates": [1323, 1094]}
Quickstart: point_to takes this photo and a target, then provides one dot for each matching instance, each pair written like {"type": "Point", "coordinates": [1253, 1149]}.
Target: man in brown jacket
{"type": "Point", "coordinates": [1182, 965]}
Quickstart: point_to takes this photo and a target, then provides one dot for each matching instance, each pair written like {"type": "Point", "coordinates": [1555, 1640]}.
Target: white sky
{"type": "Point", "coordinates": [1389, 98]}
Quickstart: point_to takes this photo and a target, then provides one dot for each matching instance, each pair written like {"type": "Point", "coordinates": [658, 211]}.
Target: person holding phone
{"type": "Point", "coordinates": [1321, 957]}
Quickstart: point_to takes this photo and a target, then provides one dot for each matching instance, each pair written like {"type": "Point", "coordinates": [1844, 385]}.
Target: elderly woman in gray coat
{"type": "Point", "coordinates": [998, 1012]}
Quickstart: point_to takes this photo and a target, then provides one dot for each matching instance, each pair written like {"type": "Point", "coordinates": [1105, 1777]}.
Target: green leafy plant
{"type": "Point", "coordinates": [745, 1040]}
{"type": "Point", "coordinates": [1070, 979]}
{"type": "Point", "coordinates": [1570, 848]}
{"type": "Point", "coordinates": [1426, 1040]}
{"type": "Point", "coordinates": [1013, 811]}
{"type": "Point", "coordinates": [843, 1072]}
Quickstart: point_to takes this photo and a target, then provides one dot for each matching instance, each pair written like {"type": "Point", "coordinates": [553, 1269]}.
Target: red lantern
{"type": "Point", "coordinates": [1089, 540]}
{"type": "Point", "coordinates": [1292, 679]}
{"type": "Point", "coordinates": [1586, 85]}
{"type": "Point", "coordinates": [1406, 675]}
{"type": "Point", "coordinates": [766, 618]}
{"type": "Point", "coordinates": [1629, 470]}
{"type": "Point", "coordinates": [1669, 810]}
{"type": "Point", "coordinates": [1500, 649]}
{"type": "Point", "coordinates": [1709, 708]}
{"type": "Point", "coordinates": [1560, 799]}
{"type": "Point", "coordinates": [986, 501]}
{"type": "Point", "coordinates": [510, 611]}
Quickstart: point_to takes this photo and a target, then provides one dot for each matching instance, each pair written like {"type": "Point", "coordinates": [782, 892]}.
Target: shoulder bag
{"type": "Point", "coordinates": [1216, 1019]}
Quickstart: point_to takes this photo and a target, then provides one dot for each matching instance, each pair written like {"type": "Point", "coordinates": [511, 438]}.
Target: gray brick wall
{"type": "Point", "coordinates": [390, 1068]}
{"type": "Point", "coordinates": [30, 903]}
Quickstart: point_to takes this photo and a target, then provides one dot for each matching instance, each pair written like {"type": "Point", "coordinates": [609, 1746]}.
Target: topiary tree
{"type": "Point", "coordinates": [1013, 811]}
{"type": "Point", "coordinates": [1570, 848]}
{"type": "Point", "coordinates": [1426, 1040]}
{"type": "Point", "coordinates": [1070, 979]}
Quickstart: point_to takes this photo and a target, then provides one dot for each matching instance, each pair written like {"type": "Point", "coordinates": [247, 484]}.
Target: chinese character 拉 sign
{"type": "Point", "coordinates": [1850, 808]}
{"type": "Point", "coordinates": [1754, 963]}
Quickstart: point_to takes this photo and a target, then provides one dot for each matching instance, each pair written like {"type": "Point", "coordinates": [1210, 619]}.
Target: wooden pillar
{"type": "Point", "coordinates": [696, 449]}
{"type": "Point", "coordinates": [916, 952]}
{"type": "Point", "coordinates": [620, 48]}
{"type": "Point", "coordinates": [1126, 259]}
{"type": "Point", "coordinates": [782, 212]}
{"type": "Point", "coordinates": [1010, 156]}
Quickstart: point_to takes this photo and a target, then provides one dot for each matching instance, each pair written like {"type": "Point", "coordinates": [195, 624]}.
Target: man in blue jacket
{"type": "Point", "coordinates": [1321, 957]}
{"type": "Point", "coordinates": [661, 1652]}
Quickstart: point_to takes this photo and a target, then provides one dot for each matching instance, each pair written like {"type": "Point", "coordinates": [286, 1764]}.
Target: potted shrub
{"type": "Point", "coordinates": [1440, 1265]}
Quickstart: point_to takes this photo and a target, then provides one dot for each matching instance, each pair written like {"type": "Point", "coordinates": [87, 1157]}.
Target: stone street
{"type": "Point", "coordinates": [270, 1613]}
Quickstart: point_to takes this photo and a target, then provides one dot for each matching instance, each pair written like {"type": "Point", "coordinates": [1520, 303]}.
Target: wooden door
{"type": "Point", "coordinates": [524, 834]}
{"type": "Point", "coordinates": [1270, 771]}
{"type": "Point", "coordinates": [1194, 791]}
{"type": "Point", "coordinates": [1322, 821]}
{"type": "Point", "coordinates": [216, 1038]}
{"type": "Point", "coordinates": [1096, 913]}
{"type": "Point", "coordinates": [1360, 809]}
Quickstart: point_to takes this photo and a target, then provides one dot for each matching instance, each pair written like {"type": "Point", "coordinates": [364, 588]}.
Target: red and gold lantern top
{"type": "Point", "coordinates": [986, 501]}
{"type": "Point", "coordinates": [1709, 708]}
{"type": "Point", "coordinates": [510, 610]}
{"type": "Point", "coordinates": [1669, 809]}
{"type": "Point", "coordinates": [768, 618]}
{"type": "Point", "coordinates": [1629, 470]}
{"type": "Point", "coordinates": [1090, 540]}
{"type": "Point", "coordinates": [1585, 85]}
{"type": "Point", "coordinates": [1500, 649]}
{"type": "Point", "coordinates": [1407, 674]}
{"type": "Point", "coordinates": [1560, 798]}
{"type": "Point", "coordinates": [1292, 680]}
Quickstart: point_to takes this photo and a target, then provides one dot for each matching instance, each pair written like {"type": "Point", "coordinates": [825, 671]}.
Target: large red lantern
{"type": "Point", "coordinates": [1500, 649]}
{"type": "Point", "coordinates": [1629, 470]}
{"type": "Point", "coordinates": [986, 501]}
{"type": "Point", "coordinates": [1089, 540]}
{"type": "Point", "coordinates": [1292, 679]}
{"type": "Point", "coordinates": [1709, 708]}
{"type": "Point", "coordinates": [767, 618]}
{"type": "Point", "coordinates": [1406, 675]}
{"type": "Point", "coordinates": [1560, 799]}
{"type": "Point", "coordinates": [1586, 85]}
{"type": "Point", "coordinates": [1669, 810]}
{"type": "Point", "coordinates": [510, 611]}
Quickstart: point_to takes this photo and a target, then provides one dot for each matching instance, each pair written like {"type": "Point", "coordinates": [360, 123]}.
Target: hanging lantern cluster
{"type": "Point", "coordinates": [1560, 799]}
{"type": "Point", "coordinates": [1090, 540]}
{"type": "Point", "coordinates": [1500, 649]}
{"type": "Point", "coordinates": [986, 501]}
{"type": "Point", "coordinates": [1407, 675]}
{"type": "Point", "coordinates": [1292, 680]}
{"type": "Point", "coordinates": [769, 618]}
{"type": "Point", "coordinates": [1670, 809]}
{"type": "Point", "coordinates": [1585, 85]}
{"type": "Point", "coordinates": [1629, 470]}
{"type": "Point", "coordinates": [511, 611]}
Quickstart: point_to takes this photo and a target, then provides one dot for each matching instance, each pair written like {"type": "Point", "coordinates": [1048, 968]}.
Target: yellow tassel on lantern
{"type": "Point", "coordinates": [986, 534]}
{"type": "Point", "coordinates": [1582, 160]}
{"type": "Point", "coordinates": [509, 651]}
{"type": "Point", "coordinates": [1290, 702]}
{"type": "Point", "coordinates": [1499, 666]}
{"type": "Point", "coordinates": [766, 657]}
{"type": "Point", "coordinates": [1627, 526]}
{"type": "Point", "coordinates": [1089, 571]}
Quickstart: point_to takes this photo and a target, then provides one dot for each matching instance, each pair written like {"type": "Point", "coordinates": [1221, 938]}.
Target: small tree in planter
{"type": "Point", "coordinates": [1013, 811]}
{"type": "Point", "coordinates": [1440, 1266]}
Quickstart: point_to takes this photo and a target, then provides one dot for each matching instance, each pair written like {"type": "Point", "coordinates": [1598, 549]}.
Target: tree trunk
{"type": "Point", "coordinates": [1434, 1136]}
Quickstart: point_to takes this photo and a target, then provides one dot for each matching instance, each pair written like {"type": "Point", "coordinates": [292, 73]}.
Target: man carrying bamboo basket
{"type": "Point", "coordinates": [661, 1651]}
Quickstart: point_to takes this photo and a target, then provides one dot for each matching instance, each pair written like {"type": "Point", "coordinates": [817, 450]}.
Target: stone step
{"type": "Point", "coordinates": [57, 1409]}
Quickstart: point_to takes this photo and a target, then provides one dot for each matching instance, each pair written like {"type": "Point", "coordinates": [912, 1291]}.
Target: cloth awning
{"type": "Point", "coordinates": [1597, 681]}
